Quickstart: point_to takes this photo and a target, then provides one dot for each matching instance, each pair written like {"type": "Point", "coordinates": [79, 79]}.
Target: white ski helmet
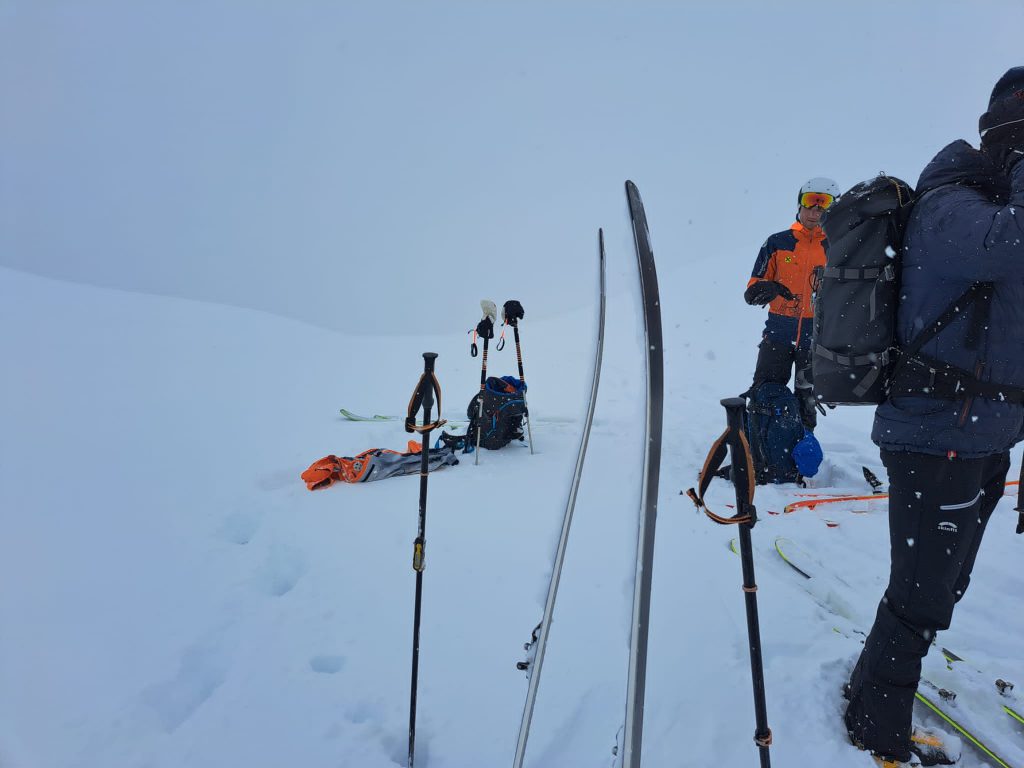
{"type": "Point", "coordinates": [819, 184]}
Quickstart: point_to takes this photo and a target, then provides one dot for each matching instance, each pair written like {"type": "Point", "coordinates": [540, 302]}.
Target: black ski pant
{"type": "Point", "coordinates": [775, 360]}
{"type": "Point", "coordinates": [938, 510]}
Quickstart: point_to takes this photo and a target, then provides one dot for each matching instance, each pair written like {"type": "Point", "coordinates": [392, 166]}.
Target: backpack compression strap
{"type": "Point", "coordinates": [1020, 502]}
{"type": "Point", "coordinates": [712, 464]}
{"type": "Point", "coordinates": [425, 388]}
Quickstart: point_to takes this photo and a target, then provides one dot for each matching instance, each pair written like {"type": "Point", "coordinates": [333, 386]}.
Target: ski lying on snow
{"type": "Point", "coordinates": [350, 416]}
{"type": "Point", "coordinates": [811, 503]}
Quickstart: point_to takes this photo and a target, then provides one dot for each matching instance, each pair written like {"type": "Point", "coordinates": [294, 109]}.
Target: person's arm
{"type": "Point", "coordinates": [762, 286]}
{"type": "Point", "coordinates": [987, 239]}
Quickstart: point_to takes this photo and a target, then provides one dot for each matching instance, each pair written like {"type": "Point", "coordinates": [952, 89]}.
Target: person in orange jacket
{"type": "Point", "coordinates": [781, 279]}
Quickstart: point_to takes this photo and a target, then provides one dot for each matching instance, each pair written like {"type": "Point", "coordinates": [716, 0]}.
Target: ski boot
{"type": "Point", "coordinates": [885, 763]}
{"type": "Point", "coordinates": [932, 747]}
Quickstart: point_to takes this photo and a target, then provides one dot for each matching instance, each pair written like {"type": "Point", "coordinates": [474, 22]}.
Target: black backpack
{"type": "Point", "coordinates": [856, 294]}
{"type": "Point", "coordinates": [503, 412]}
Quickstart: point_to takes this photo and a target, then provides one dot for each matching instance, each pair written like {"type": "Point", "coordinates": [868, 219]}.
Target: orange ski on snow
{"type": "Point", "coordinates": [812, 503]}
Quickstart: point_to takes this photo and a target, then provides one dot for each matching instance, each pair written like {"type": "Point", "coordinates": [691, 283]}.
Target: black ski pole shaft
{"type": "Point", "coordinates": [425, 395]}
{"type": "Point", "coordinates": [480, 405]}
{"type": "Point", "coordinates": [734, 408]}
{"type": "Point", "coordinates": [485, 330]}
{"type": "Point", "coordinates": [522, 378]}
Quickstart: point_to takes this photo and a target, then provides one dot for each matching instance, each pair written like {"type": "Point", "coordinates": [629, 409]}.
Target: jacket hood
{"type": "Point", "coordinates": [960, 163]}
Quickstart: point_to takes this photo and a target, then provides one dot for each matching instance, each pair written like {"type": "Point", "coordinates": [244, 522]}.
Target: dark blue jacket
{"type": "Point", "coordinates": [967, 226]}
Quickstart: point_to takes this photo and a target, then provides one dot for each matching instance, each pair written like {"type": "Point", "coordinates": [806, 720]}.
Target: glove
{"type": "Point", "coordinates": [512, 312]}
{"type": "Point", "coordinates": [763, 291]}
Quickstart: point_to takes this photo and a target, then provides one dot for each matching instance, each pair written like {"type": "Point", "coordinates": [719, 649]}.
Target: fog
{"type": "Point", "coordinates": [374, 166]}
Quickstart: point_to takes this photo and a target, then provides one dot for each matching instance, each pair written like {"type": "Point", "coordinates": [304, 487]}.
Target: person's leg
{"type": "Point", "coordinates": [936, 520]}
{"type": "Point", "coordinates": [803, 386]}
{"type": "Point", "coordinates": [993, 483]}
{"type": "Point", "coordinates": [774, 363]}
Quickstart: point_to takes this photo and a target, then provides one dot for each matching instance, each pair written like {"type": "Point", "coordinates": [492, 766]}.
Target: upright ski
{"type": "Point", "coordinates": [537, 646]}
{"type": "Point", "coordinates": [635, 689]}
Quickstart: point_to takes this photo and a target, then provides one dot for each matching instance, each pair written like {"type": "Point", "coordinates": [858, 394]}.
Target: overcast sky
{"type": "Point", "coordinates": [358, 165]}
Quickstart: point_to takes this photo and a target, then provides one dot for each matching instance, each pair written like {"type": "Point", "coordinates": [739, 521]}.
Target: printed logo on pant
{"type": "Point", "coordinates": [947, 526]}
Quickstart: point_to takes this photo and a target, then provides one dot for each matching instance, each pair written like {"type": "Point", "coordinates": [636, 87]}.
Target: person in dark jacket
{"type": "Point", "coordinates": [781, 279]}
{"type": "Point", "coordinates": [954, 410]}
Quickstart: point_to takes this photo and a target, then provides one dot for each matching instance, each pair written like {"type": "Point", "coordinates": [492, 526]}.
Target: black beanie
{"type": "Point", "coordinates": [1006, 105]}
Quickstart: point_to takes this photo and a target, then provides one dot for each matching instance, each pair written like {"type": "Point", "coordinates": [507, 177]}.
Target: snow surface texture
{"type": "Point", "coordinates": [170, 593]}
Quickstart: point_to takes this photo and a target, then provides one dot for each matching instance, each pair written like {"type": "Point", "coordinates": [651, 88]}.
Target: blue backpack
{"type": "Point", "coordinates": [773, 430]}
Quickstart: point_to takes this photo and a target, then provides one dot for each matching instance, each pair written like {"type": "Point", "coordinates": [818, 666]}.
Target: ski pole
{"type": "Point", "coordinates": [734, 439]}
{"type": "Point", "coordinates": [485, 330]}
{"type": "Point", "coordinates": [423, 396]}
{"type": "Point", "coordinates": [512, 312]}
{"type": "Point", "coordinates": [742, 481]}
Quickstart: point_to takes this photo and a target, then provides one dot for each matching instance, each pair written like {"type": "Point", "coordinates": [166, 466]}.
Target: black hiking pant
{"type": "Point", "coordinates": [938, 510]}
{"type": "Point", "coordinates": [775, 360]}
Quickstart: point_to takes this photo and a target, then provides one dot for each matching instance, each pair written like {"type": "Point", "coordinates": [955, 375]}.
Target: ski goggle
{"type": "Point", "coordinates": [821, 200]}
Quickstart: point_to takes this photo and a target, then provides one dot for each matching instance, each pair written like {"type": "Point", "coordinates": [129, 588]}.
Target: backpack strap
{"type": "Point", "coordinates": [1020, 503]}
{"type": "Point", "coordinates": [972, 294]}
{"type": "Point", "coordinates": [877, 361]}
{"type": "Point", "coordinates": [932, 378]}
{"type": "Point", "coordinates": [926, 377]}
{"type": "Point", "coordinates": [865, 273]}
{"type": "Point", "coordinates": [712, 464]}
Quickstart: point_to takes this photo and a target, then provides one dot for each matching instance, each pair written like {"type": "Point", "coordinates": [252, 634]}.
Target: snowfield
{"type": "Point", "coordinates": [173, 595]}
{"type": "Point", "coordinates": [221, 222]}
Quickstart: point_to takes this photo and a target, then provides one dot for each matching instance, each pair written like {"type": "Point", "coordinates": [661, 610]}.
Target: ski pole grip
{"type": "Point", "coordinates": [739, 450]}
{"type": "Point", "coordinates": [428, 361]}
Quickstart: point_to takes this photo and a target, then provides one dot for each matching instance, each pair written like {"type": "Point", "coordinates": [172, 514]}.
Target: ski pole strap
{"type": "Point", "coordinates": [427, 390]}
{"type": "Point", "coordinates": [473, 351]}
{"type": "Point", "coordinates": [713, 462]}
{"type": "Point", "coordinates": [501, 340]}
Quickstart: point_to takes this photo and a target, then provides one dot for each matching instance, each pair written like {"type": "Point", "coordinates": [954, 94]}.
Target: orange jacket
{"type": "Point", "coordinates": [789, 258]}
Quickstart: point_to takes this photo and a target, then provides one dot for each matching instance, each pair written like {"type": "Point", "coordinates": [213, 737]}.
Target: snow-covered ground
{"type": "Point", "coordinates": [220, 223]}
{"type": "Point", "coordinates": [173, 595]}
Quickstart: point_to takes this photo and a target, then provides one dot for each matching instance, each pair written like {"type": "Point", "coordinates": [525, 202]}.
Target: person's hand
{"type": "Point", "coordinates": [763, 291]}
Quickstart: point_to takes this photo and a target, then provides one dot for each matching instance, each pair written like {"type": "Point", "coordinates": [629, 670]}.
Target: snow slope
{"type": "Point", "coordinates": [172, 595]}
